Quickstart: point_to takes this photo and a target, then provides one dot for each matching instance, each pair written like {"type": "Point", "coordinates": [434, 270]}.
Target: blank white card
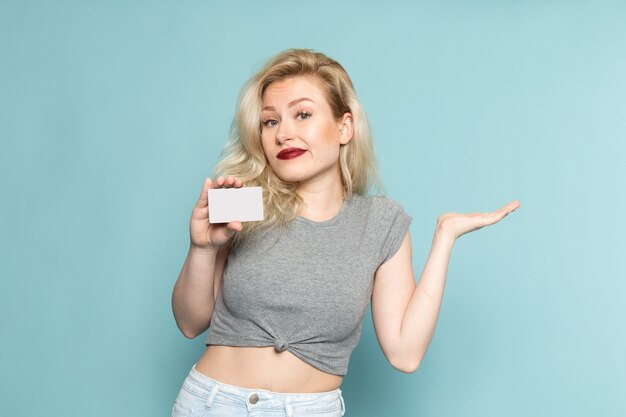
{"type": "Point", "coordinates": [235, 204]}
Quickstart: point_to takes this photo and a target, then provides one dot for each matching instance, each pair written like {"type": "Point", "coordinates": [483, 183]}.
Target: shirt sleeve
{"type": "Point", "coordinates": [397, 222]}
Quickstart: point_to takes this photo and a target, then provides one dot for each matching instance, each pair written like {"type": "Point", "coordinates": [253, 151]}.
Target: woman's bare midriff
{"type": "Point", "coordinates": [264, 368]}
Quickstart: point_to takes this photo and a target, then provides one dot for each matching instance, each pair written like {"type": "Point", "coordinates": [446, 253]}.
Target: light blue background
{"type": "Point", "coordinates": [112, 113]}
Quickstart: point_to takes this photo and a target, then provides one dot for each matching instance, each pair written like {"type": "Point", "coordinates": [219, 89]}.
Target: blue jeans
{"type": "Point", "coordinates": [201, 396]}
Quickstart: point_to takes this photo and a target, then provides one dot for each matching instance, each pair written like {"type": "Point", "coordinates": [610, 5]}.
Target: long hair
{"type": "Point", "coordinates": [243, 155]}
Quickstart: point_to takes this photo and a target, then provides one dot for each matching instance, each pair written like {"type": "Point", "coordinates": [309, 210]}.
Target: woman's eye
{"type": "Point", "coordinates": [303, 115]}
{"type": "Point", "coordinates": [269, 123]}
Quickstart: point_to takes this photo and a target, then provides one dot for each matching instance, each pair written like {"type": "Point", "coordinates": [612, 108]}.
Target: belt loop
{"type": "Point", "coordinates": [212, 395]}
{"type": "Point", "coordinates": [343, 404]}
{"type": "Point", "coordinates": [288, 408]}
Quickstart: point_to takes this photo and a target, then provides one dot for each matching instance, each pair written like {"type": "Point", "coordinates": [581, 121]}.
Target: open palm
{"type": "Point", "coordinates": [457, 224]}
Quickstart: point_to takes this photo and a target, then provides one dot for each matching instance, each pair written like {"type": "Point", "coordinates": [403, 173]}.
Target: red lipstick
{"type": "Point", "coordinates": [290, 153]}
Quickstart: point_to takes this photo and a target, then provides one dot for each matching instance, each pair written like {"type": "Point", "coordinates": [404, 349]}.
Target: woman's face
{"type": "Point", "coordinates": [300, 136]}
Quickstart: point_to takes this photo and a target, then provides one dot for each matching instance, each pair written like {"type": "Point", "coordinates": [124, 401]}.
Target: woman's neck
{"type": "Point", "coordinates": [321, 201]}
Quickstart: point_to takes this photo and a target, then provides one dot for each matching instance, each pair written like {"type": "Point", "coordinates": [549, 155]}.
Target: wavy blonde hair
{"type": "Point", "coordinates": [243, 155]}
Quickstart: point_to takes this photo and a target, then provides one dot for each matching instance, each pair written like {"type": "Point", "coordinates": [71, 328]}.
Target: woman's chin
{"type": "Point", "coordinates": [290, 176]}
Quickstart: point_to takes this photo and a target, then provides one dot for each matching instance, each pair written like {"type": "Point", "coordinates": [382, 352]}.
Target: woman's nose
{"type": "Point", "coordinates": [284, 132]}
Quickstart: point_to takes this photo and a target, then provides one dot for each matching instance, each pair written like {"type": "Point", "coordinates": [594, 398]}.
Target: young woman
{"type": "Point", "coordinates": [283, 299]}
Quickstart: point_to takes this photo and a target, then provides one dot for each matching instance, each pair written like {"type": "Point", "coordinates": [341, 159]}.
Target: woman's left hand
{"type": "Point", "coordinates": [456, 225]}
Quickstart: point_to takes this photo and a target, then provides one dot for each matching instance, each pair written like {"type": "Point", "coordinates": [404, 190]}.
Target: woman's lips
{"type": "Point", "coordinates": [290, 153]}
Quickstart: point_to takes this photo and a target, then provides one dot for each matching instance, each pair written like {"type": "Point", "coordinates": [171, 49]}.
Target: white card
{"type": "Point", "coordinates": [235, 204]}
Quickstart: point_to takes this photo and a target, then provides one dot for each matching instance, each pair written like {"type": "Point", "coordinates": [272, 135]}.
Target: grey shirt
{"type": "Point", "coordinates": [306, 288]}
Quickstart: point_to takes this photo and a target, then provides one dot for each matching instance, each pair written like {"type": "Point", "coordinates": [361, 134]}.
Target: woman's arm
{"type": "Point", "coordinates": [193, 297]}
{"type": "Point", "coordinates": [405, 314]}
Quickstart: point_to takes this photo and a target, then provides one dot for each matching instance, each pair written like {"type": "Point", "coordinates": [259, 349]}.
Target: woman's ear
{"type": "Point", "coordinates": [346, 130]}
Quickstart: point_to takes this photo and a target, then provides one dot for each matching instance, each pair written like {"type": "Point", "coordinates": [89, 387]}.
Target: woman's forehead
{"type": "Point", "coordinates": [291, 89]}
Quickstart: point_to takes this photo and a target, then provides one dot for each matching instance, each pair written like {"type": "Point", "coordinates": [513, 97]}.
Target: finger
{"type": "Point", "coordinates": [516, 204]}
{"type": "Point", "coordinates": [512, 206]}
{"type": "Point", "coordinates": [234, 226]}
{"type": "Point", "coordinates": [238, 183]}
{"type": "Point", "coordinates": [229, 182]}
{"type": "Point", "coordinates": [231, 228]}
{"type": "Point", "coordinates": [219, 182]}
{"type": "Point", "coordinates": [203, 200]}
{"type": "Point", "coordinates": [506, 210]}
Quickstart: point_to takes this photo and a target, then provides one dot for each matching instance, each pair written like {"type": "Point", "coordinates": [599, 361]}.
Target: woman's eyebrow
{"type": "Point", "coordinates": [291, 103]}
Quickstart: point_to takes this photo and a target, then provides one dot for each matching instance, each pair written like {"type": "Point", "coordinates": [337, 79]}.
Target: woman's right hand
{"type": "Point", "coordinates": [205, 235]}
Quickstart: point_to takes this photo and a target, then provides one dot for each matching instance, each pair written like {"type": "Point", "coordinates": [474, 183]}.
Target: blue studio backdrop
{"type": "Point", "coordinates": [112, 113]}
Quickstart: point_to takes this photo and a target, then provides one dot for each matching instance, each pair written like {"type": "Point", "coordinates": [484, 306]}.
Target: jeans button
{"type": "Point", "coordinates": [253, 398]}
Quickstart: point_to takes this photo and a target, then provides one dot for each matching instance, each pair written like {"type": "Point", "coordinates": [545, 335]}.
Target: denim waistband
{"type": "Point", "coordinates": [257, 398]}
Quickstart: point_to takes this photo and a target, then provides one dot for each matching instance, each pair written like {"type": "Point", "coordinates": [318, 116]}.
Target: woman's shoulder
{"type": "Point", "coordinates": [379, 204]}
{"type": "Point", "coordinates": [385, 221]}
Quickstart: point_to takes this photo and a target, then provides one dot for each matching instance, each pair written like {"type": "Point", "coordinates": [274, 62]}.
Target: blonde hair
{"type": "Point", "coordinates": [243, 155]}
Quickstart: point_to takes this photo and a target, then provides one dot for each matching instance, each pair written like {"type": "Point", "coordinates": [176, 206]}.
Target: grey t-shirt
{"type": "Point", "coordinates": [306, 289]}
